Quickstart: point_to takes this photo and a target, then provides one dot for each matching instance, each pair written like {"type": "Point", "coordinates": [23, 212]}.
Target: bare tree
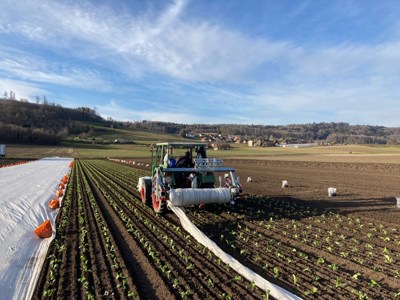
{"type": "Point", "coordinates": [12, 95]}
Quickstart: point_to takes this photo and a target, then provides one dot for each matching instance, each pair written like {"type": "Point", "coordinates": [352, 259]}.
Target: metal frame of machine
{"type": "Point", "coordinates": [166, 184]}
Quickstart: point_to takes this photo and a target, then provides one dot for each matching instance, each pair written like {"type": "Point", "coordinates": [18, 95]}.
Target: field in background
{"type": "Point", "coordinates": [102, 144]}
{"type": "Point", "coordinates": [346, 153]}
{"type": "Point", "coordinates": [342, 153]}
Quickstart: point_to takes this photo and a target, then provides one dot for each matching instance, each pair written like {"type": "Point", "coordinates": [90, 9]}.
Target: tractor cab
{"type": "Point", "coordinates": [181, 174]}
{"type": "Point", "coordinates": [172, 158]}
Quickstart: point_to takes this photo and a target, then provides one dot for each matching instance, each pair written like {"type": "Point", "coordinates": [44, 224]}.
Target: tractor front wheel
{"type": "Point", "coordinates": [158, 205]}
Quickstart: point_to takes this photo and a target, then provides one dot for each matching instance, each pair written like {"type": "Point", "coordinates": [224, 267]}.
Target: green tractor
{"type": "Point", "coordinates": [182, 175]}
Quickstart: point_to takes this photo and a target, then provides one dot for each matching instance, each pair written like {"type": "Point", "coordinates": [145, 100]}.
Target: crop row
{"type": "Point", "coordinates": [168, 239]}
{"type": "Point", "coordinates": [299, 246]}
{"type": "Point", "coordinates": [306, 250]}
{"type": "Point", "coordinates": [315, 254]}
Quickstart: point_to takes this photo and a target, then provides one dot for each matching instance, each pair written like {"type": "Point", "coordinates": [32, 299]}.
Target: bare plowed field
{"type": "Point", "coordinates": [363, 189]}
{"type": "Point", "coordinates": [111, 246]}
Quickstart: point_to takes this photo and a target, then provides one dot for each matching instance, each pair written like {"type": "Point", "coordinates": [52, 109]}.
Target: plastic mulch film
{"type": "Point", "coordinates": [274, 290]}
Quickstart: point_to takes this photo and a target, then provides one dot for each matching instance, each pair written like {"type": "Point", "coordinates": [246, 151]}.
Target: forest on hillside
{"type": "Point", "coordinates": [48, 123]}
{"type": "Point", "coordinates": [45, 123]}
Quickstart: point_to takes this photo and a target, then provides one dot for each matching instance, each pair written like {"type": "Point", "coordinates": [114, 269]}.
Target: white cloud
{"type": "Point", "coordinates": [22, 89]}
{"type": "Point", "coordinates": [192, 51]}
{"type": "Point", "coordinates": [141, 113]}
{"type": "Point", "coordinates": [24, 66]}
{"type": "Point", "coordinates": [195, 51]}
{"type": "Point", "coordinates": [277, 79]}
{"type": "Point", "coordinates": [371, 100]}
{"type": "Point", "coordinates": [347, 60]}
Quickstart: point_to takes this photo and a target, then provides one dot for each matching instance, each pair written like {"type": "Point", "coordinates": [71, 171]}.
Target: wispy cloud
{"type": "Point", "coordinates": [25, 66]}
{"type": "Point", "coordinates": [161, 55]}
{"type": "Point", "coordinates": [22, 89]}
{"type": "Point", "coordinates": [113, 108]}
{"type": "Point", "coordinates": [347, 60]}
{"type": "Point", "coordinates": [194, 51]}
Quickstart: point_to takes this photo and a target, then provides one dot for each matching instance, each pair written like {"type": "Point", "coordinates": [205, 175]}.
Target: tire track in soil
{"type": "Point", "coordinates": [207, 266]}
{"type": "Point", "coordinates": [148, 282]}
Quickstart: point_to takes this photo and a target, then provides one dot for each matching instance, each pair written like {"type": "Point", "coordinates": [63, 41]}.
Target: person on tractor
{"type": "Point", "coordinates": [184, 161]}
{"type": "Point", "coordinates": [168, 159]}
{"type": "Point", "coordinates": [201, 152]}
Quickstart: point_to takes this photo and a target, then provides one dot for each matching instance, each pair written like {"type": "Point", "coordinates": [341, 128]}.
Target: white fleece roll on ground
{"type": "Point", "coordinates": [274, 290]}
{"type": "Point", "coordinates": [187, 197]}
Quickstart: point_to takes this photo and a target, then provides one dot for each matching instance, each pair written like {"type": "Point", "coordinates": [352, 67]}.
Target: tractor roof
{"type": "Point", "coordinates": [181, 144]}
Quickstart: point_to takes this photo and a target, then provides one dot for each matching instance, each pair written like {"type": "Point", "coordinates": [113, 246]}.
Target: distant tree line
{"type": "Point", "coordinates": [46, 123]}
{"type": "Point", "coordinates": [18, 134]}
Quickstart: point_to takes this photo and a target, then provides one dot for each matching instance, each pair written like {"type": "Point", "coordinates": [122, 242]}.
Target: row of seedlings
{"type": "Point", "coordinates": [210, 279]}
{"type": "Point", "coordinates": [100, 234]}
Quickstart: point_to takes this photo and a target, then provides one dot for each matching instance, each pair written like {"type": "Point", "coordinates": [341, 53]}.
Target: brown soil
{"type": "Point", "coordinates": [363, 189]}
{"type": "Point", "coordinates": [285, 235]}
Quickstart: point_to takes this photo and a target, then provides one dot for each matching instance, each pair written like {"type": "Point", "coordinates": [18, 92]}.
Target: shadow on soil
{"type": "Point", "coordinates": [285, 207]}
{"type": "Point", "coordinates": [264, 208]}
{"type": "Point", "coordinates": [360, 205]}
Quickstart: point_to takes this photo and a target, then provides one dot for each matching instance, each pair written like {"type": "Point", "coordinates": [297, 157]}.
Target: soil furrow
{"type": "Point", "coordinates": [149, 284]}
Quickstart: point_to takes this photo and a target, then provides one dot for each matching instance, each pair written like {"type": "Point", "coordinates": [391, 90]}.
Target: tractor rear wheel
{"type": "Point", "coordinates": [145, 193]}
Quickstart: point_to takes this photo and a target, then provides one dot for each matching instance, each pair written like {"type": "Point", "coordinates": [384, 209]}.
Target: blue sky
{"type": "Point", "coordinates": [189, 61]}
